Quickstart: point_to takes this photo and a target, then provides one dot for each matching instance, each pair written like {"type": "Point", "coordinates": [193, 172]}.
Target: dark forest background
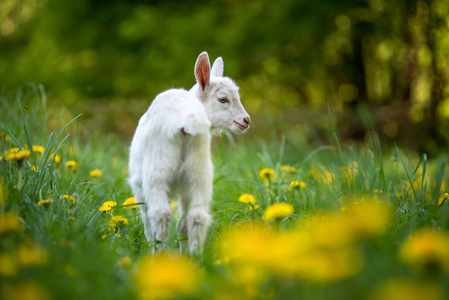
{"type": "Point", "coordinates": [370, 64]}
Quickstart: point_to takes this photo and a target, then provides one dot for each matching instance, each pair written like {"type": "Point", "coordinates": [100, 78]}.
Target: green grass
{"type": "Point", "coordinates": [79, 254]}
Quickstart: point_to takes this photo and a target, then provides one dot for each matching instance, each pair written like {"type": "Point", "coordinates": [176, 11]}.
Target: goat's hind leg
{"type": "Point", "coordinates": [138, 194]}
{"type": "Point", "coordinates": [145, 218]}
{"type": "Point", "coordinates": [159, 214]}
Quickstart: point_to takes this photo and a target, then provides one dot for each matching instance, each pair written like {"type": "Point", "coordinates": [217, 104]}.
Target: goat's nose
{"type": "Point", "coordinates": [247, 120]}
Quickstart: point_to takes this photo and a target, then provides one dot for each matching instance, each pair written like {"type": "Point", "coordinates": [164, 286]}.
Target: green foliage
{"type": "Point", "coordinates": [293, 59]}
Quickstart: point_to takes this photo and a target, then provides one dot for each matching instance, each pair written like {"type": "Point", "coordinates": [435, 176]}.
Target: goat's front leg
{"type": "Point", "coordinates": [199, 197]}
{"type": "Point", "coordinates": [159, 212]}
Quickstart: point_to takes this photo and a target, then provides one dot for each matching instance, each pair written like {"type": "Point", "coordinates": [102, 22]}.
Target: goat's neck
{"type": "Point", "coordinates": [195, 90]}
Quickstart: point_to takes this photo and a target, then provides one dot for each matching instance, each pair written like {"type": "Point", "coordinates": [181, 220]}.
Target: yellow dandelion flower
{"type": "Point", "coordinates": [173, 205]}
{"type": "Point", "coordinates": [252, 207]}
{"type": "Point", "coordinates": [5, 136]}
{"type": "Point", "coordinates": [38, 149]}
{"type": "Point", "coordinates": [57, 158]}
{"type": "Point", "coordinates": [288, 169]}
{"type": "Point", "coordinates": [18, 155]}
{"type": "Point", "coordinates": [118, 221]}
{"type": "Point", "coordinates": [72, 165]}
{"type": "Point", "coordinates": [9, 222]}
{"type": "Point", "coordinates": [14, 150]}
{"type": "Point", "coordinates": [129, 201]}
{"type": "Point", "coordinates": [266, 174]}
{"type": "Point", "coordinates": [96, 173]}
{"type": "Point", "coordinates": [124, 263]}
{"type": "Point", "coordinates": [426, 249]}
{"type": "Point", "coordinates": [278, 210]}
{"type": "Point", "coordinates": [66, 198]}
{"type": "Point", "coordinates": [443, 198]}
{"type": "Point", "coordinates": [166, 276]}
{"type": "Point", "coordinates": [296, 184]}
{"type": "Point", "coordinates": [107, 206]}
{"type": "Point", "coordinates": [45, 203]}
{"type": "Point", "coordinates": [247, 198]}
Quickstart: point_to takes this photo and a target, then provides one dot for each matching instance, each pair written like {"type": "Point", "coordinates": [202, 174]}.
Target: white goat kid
{"type": "Point", "coordinates": [170, 152]}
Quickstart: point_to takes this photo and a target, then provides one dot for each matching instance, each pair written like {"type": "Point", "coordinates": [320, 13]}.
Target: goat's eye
{"type": "Point", "coordinates": [223, 100]}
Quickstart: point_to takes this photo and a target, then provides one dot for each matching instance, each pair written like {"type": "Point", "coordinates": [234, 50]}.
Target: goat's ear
{"type": "Point", "coordinates": [217, 68]}
{"type": "Point", "coordinates": [202, 70]}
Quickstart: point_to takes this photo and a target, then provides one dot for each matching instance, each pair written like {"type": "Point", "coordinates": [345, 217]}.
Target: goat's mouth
{"type": "Point", "coordinates": [240, 126]}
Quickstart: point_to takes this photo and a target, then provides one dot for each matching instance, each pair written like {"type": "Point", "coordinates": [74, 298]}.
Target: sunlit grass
{"type": "Point", "coordinates": [335, 221]}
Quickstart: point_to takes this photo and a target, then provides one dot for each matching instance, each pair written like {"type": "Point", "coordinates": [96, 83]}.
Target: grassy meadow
{"type": "Point", "coordinates": [290, 221]}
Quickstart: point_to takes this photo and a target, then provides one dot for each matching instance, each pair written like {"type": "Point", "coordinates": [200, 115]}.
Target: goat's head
{"type": "Point", "coordinates": [220, 96]}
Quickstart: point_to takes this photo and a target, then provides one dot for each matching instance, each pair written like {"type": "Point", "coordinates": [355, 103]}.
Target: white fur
{"type": "Point", "coordinates": [170, 152]}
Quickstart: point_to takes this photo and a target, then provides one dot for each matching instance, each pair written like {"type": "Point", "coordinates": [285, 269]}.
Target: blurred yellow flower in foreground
{"type": "Point", "coordinates": [255, 247]}
{"type": "Point", "coordinates": [399, 289]}
{"type": "Point", "coordinates": [129, 201]}
{"type": "Point", "coordinates": [72, 165]}
{"type": "Point", "coordinates": [278, 210]}
{"type": "Point", "coordinates": [266, 174]}
{"type": "Point", "coordinates": [30, 254]}
{"type": "Point", "coordinates": [8, 266]}
{"type": "Point", "coordinates": [9, 222]}
{"type": "Point", "coordinates": [166, 276]}
{"type": "Point", "coordinates": [323, 248]}
{"type": "Point", "coordinates": [118, 221]}
{"type": "Point", "coordinates": [427, 250]}
{"type": "Point", "coordinates": [369, 218]}
{"type": "Point", "coordinates": [24, 291]}
{"type": "Point", "coordinates": [107, 206]}
{"type": "Point", "coordinates": [96, 173]}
